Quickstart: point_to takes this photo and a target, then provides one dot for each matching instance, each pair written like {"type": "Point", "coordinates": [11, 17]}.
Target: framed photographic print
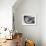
{"type": "Point", "coordinates": [28, 19]}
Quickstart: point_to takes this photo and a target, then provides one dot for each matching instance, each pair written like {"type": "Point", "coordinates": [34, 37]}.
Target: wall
{"type": "Point", "coordinates": [43, 22]}
{"type": "Point", "coordinates": [6, 13]}
{"type": "Point", "coordinates": [32, 32]}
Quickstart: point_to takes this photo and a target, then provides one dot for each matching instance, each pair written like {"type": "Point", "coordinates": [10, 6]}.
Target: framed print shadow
{"type": "Point", "coordinates": [28, 20]}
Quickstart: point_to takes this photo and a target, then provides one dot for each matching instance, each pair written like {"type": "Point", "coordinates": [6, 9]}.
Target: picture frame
{"type": "Point", "coordinates": [28, 19]}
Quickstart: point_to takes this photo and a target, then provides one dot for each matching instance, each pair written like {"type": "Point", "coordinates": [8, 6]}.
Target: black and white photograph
{"type": "Point", "coordinates": [29, 20]}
